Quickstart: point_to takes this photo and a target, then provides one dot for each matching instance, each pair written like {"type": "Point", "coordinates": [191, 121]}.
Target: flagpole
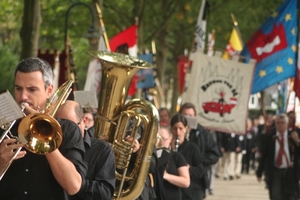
{"type": "Point", "coordinates": [297, 62]}
{"type": "Point", "coordinates": [137, 32]}
{"type": "Point", "coordinates": [102, 26]}
{"type": "Point", "coordinates": [235, 23]}
{"type": "Point", "coordinates": [156, 80]}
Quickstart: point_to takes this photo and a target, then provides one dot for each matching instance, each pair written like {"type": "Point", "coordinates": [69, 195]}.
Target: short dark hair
{"type": "Point", "coordinates": [291, 112]}
{"type": "Point", "coordinates": [187, 105]}
{"type": "Point", "coordinates": [164, 109]}
{"type": "Point", "coordinates": [34, 64]}
{"type": "Point", "coordinates": [179, 118]}
{"type": "Point", "coordinates": [87, 109]}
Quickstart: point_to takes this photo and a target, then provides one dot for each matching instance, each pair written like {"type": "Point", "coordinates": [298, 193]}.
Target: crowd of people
{"type": "Point", "coordinates": [84, 167]}
{"type": "Point", "coordinates": [185, 161]}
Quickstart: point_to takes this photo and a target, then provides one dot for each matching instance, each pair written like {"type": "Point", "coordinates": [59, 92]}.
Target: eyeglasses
{"type": "Point", "coordinates": [163, 139]}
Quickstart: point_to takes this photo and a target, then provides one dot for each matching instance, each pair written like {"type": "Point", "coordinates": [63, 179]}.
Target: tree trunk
{"type": "Point", "coordinates": [30, 28]}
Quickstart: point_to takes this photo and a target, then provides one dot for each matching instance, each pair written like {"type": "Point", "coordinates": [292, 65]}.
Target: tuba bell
{"type": "Point", "coordinates": [116, 120]}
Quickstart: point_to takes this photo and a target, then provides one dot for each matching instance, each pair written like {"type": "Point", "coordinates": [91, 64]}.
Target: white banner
{"type": "Point", "coordinates": [220, 90]}
{"type": "Point", "coordinates": [94, 73]}
{"type": "Point", "coordinates": [200, 33]}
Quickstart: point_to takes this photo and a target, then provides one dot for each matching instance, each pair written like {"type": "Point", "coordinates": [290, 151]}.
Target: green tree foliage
{"type": "Point", "coordinates": [7, 68]}
{"type": "Point", "coordinates": [10, 16]}
{"type": "Point", "coordinates": [170, 23]}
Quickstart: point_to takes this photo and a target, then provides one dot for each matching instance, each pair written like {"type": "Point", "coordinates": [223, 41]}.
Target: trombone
{"type": "Point", "coordinates": [7, 134]}
{"type": "Point", "coordinates": [39, 132]}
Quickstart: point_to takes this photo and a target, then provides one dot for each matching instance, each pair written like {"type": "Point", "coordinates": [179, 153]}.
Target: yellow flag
{"type": "Point", "coordinates": [234, 46]}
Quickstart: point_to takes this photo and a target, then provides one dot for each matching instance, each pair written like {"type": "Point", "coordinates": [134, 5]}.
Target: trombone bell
{"type": "Point", "coordinates": [40, 133]}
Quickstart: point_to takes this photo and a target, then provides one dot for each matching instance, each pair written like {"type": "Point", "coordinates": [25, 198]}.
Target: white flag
{"type": "Point", "coordinates": [220, 92]}
{"type": "Point", "coordinates": [200, 33]}
{"type": "Point", "coordinates": [93, 78]}
{"type": "Point", "coordinates": [56, 69]}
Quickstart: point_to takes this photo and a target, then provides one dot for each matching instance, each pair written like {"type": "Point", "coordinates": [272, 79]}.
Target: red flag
{"type": "Point", "coordinates": [129, 37]}
{"type": "Point", "coordinates": [120, 43]}
{"type": "Point", "coordinates": [297, 78]}
{"type": "Point", "coordinates": [132, 88]}
{"type": "Point", "coordinates": [183, 65]}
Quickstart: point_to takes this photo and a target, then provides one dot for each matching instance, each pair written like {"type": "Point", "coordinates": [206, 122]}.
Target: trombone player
{"type": "Point", "coordinates": [55, 175]}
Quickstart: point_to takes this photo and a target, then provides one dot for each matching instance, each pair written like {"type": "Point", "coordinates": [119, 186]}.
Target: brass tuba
{"type": "Point", "coordinates": [116, 120]}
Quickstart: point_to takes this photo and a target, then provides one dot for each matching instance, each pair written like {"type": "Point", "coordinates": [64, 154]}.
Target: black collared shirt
{"type": "Point", "coordinates": [100, 179]}
{"type": "Point", "coordinates": [31, 177]}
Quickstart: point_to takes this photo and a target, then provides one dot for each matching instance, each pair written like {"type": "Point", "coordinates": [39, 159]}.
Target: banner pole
{"type": "Point", "coordinates": [99, 12]}
{"type": "Point", "coordinates": [235, 23]}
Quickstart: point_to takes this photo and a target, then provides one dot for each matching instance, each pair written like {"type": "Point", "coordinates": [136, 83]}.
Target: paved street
{"type": "Point", "coordinates": [245, 188]}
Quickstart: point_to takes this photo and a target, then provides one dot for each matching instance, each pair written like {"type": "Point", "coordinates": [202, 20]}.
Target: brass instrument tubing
{"type": "Point", "coordinates": [6, 131]}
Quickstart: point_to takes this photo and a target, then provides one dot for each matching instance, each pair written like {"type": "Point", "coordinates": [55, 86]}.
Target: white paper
{"type": "Point", "coordinates": [9, 109]}
{"type": "Point", "coordinates": [192, 122]}
{"type": "Point", "coordinates": [86, 98]}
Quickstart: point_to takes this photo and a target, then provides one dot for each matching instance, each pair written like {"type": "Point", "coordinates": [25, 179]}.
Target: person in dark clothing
{"type": "Point", "coordinates": [171, 167]}
{"type": "Point", "coordinates": [280, 156]}
{"type": "Point", "coordinates": [100, 179]}
{"type": "Point", "coordinates": [249, 147]}
{"type": "Point", "coordinates": [148, 190]}
{"type": "Point", "coordinates": [192, 155]}
{"type": "Point", "coordinates": [204, 140]}
{"type": "Point", "coordinates": [264, 130]}
{"type": "Point", "coordinates": [88, 114]}
{"type": "Point", "coordinates": [57, 174]}
{"type": "Point", "coordinates": [254, 131]}
{"type": "Point", "coordinates": [212, 169]}
{"type": "Point", "coordinates": [229, 148]}
{"type": "Point", "coordinates": [164, 116]}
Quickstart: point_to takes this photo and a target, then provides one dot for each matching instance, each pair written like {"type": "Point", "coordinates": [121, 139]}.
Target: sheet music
{"type": "Point", "coordinates": [192, 122]}
{"type": "Point", "coordinates": [86, 98]}
{"type": "Point", "coordinates": [9, 109]}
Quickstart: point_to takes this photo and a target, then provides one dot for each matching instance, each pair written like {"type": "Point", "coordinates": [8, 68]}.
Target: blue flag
{"type": "Point", "coordinates": [145, 76]}
{"type": "Point", "coordinates": [274, 47]}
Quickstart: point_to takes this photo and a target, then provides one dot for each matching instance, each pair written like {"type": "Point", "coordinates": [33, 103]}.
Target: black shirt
{"type": "Point", "coordinates": [192, 155]}
{"type": "Point", "coordinates": [100, 178]}
{"type": "Point", "coordinates": [176, 161]}
{"type": "Point", "coordinates": [31, 177]}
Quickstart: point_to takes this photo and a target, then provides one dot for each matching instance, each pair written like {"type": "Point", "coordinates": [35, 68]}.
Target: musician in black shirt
{"type": "Point", "coordinates": [31, 176]}
{"type": "Point", "coordinates": [192, 155]}
{"type": "Point", "coordinates": [100, 178]}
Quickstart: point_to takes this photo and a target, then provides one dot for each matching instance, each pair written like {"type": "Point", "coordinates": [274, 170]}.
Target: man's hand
{"type": "Point", "coordinates": [7, 151]}
{"type": "Point", "coordinates": [136, 146]}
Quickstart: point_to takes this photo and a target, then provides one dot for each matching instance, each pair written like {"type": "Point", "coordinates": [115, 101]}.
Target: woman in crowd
{"type": "Point", "coordinates": [192, 155]}
{"type": "Point", "coordinates": [172, 167]}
